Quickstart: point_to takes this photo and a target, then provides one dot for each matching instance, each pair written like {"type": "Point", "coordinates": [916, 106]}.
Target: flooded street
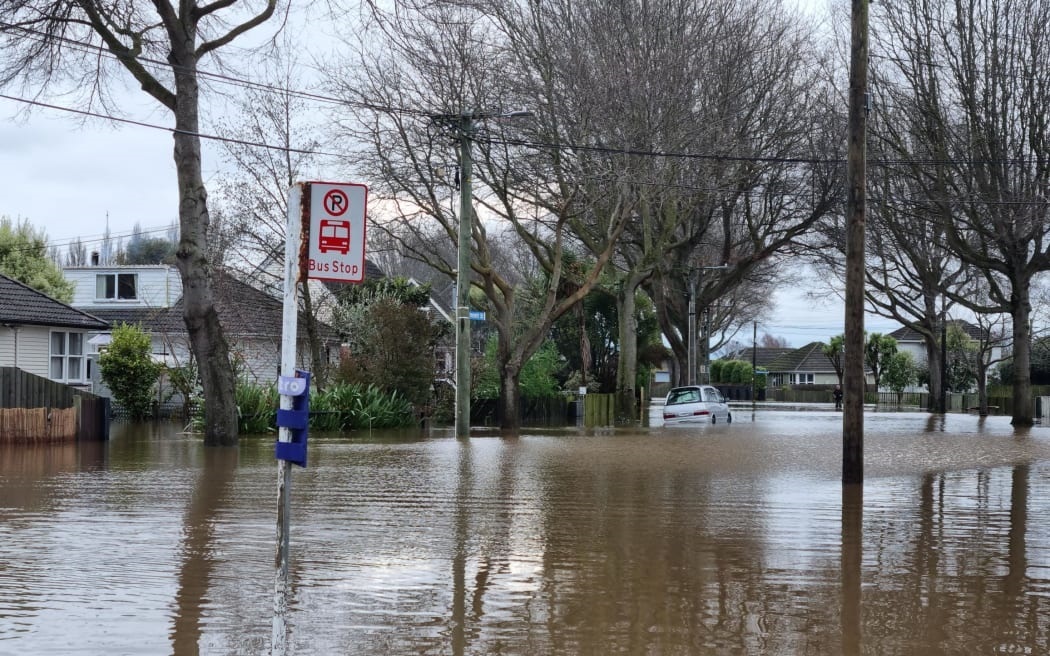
{"type": "Point", "coordinates": [727, 539]}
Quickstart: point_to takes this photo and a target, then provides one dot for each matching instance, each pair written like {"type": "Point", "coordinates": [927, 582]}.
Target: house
{"type": "Point", "coordinates": [762, 356]}
{"type": "Point", "coordinates": [910, 341]}
{"type": "Point", "coordinates": [151, 297]}
{"type": "Point", "coordinates": [45, 337]}
{"type": "Point", "coordinates": [802, 366]}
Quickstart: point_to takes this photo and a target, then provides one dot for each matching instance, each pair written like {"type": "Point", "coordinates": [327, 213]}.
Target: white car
{"type": "Point", "coordinates": [696, 404]}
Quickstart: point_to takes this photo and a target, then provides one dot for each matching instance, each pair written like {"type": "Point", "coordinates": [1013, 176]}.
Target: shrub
{"type": "Point", "coordinates": [718, 371]}
{"type": "Point", "coordinates": [129, 371]}
{"type": "Point", "coordinates": [344, 406]}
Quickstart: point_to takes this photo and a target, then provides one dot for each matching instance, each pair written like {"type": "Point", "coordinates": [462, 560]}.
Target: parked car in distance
{"type": "Point", "coordinates": [696, 404]}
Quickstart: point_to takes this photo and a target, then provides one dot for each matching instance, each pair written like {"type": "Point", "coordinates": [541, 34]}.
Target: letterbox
{"type": "Point", "coordinates": [296, 419]}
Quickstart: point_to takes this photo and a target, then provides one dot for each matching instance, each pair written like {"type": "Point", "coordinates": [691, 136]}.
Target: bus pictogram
{"type": "Point", "coordinates": [335, 236]}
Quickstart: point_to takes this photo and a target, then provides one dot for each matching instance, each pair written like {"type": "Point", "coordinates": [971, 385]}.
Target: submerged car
{"type": "Point", "coordinates": [696, 404]}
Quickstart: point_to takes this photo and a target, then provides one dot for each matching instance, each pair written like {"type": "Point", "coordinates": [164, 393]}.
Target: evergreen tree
{"type": "Point", "coordinates": [24, 257]}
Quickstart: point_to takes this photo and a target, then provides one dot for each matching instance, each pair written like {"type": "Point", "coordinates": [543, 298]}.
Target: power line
{"type": "Point", "coordinates": [244, 83]}
{"type": "Point", "coordinates": [69, 241]}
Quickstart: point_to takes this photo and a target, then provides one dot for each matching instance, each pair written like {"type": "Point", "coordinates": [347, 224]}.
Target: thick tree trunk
{"type": "Point", "coordinates": [1021, 313]}
{"type": "Point", "coordinates": [627, 363]}
{"type": "Point", "coordinates": [509, 405]}
{"type": "Point", "coordinates": [199, 312]}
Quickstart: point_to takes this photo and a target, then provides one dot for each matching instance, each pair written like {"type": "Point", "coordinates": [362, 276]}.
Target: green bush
{"type": "Point", "coordinates": [344, 406]}
{"type": "Point", "coordinates": [256, 407]}
{"type": "Point", "coordinates": [742, 373]}
{"type": "Point", "coordinates": [129, 371]}
{"type": "Point", "coordinates": [718, 370]}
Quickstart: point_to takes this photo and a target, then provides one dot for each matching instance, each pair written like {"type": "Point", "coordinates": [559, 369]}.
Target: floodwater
{"type": "Point", "coordinates": [733, 539]}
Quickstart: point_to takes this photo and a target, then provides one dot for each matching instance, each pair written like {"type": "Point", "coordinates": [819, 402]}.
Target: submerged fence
{"type": "Point", "coordinates": [34, 409]}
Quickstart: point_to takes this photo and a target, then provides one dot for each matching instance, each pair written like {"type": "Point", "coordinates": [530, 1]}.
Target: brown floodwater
{"type": "Point", "coordinates": [733, 539]}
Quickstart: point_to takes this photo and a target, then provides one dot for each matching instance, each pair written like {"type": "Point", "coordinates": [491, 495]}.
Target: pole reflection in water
{"type": "Point", "coordinates": [465, 479]}
{"type": "Point", "coordinates": [852, 559]}
{"type": "Point", "coordinates": [706, 539]}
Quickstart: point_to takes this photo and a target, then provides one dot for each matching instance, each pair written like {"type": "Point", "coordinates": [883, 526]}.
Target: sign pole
{"type": "Point", "coordinates": [292, 275]}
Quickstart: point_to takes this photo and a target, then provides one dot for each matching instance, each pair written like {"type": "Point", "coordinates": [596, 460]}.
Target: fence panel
{"type": "Point", "coordinates": [599, 410]}
{"type": "Point", "coordinates": [24, 396]}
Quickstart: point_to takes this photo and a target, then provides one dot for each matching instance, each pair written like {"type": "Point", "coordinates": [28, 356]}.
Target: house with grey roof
{"type": "Point", "coordinates": [805, 366]}
{"type": "Point", "coordinates": [45, 337]}
{"type": "Point", "coordinates": [761, 357]}
{"type": "Point", "coordinates": [151, 298]}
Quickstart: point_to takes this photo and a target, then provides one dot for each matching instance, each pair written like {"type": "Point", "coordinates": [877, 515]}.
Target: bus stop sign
{"type": "Point", "coordinates": [336, 231]}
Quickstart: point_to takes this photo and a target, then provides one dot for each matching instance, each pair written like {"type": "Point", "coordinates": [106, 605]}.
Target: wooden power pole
{"type": "Point", "coordinates": [856, 156]}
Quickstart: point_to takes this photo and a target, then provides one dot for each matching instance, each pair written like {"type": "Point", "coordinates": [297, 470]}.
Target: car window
{"type": "Point", "coordinates": [683, 396]}
{"type": "Point", "coordinates": [712, 396]}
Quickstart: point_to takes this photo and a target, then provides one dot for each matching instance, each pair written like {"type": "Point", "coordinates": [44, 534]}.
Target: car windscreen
{"type": "Point", "coordinates": [682, 396]}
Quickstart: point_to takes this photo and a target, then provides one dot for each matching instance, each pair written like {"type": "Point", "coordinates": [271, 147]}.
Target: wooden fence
{"type": "Point", "coordinates": [599, 410]}
{"type": "Point", "coordinates": [35, 410]}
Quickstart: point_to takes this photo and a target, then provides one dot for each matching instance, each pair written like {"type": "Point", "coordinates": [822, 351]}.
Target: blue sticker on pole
{"type": "Point", "coordinates": [296, 419]}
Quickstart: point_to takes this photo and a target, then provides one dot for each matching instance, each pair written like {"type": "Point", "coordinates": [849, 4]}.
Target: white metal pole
{"type": "Point", "coordinates": [290, 322]}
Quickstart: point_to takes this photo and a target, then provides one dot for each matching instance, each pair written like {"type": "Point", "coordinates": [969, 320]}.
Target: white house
{"type": "Point", "coordinates": [151, 297]}
{"type": "Point", "coordinates": [43, 336]}
{"type": "Point", "coordinates": [910, 341]}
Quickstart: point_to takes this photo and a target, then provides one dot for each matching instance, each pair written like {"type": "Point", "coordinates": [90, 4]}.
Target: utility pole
{"type": "Point", "coordinates": [696, 277]}
{"type": "Point", "coordinates": [691, 367]}
{"type": "Point", "coordinates": [707, 345]}
{"type": "Point", "coordinates": [856, 156]}
{"type": "Point", "coordinates": [466, 210]}
{"type": "Point", "coordinates": [754, 362]}
{"type": "Point", "coordinates": [942, 402]}
{"type": "Point", "coordinates": [465, 125]}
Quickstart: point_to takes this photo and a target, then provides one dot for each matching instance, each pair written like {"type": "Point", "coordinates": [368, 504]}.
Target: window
{"type": "Point", "coordinates": [67, 357]}
{"type": "Point", "coordinates": [116, 286]}
{"type": "Point", "coordinates": [801, 379]}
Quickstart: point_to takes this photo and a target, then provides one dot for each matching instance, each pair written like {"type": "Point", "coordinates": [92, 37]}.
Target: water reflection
{"type": "Point", "coordinates": [200, 551]}
{"type": "Point", "coordinates": [715, 539]}
{"type": "Point", "coordinates": [852, 559]}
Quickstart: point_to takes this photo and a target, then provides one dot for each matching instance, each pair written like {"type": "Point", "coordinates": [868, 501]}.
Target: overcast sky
{"type": "Point", "coordinates": [73, 175]}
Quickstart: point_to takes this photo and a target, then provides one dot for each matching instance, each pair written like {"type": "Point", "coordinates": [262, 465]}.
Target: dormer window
{"type": "Point", "coordinates": [116, 286]}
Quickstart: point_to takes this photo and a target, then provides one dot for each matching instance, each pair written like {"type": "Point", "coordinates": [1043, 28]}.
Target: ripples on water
{"type": "Point", "coordinates": [715, 539]}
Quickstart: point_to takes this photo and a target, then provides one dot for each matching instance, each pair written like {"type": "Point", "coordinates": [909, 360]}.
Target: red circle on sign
{"type": "Point", "coordinates": [336, 202]}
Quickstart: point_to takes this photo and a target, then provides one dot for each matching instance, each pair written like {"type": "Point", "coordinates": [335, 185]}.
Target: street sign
{"type": "Point", "coordinates": [336, 231]}
{"type": "Point", "coordinates": [477, 315]}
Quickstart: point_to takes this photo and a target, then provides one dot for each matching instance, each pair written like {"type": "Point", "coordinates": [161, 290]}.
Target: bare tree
{"type": "Point", "coordinates": [160, 45]}
{"type": "Point", "coordinates": [76, 254]}
{"type": "Point", "coordinates": [973, 80]}
{"type": "Point", "coordinates": [255, 195]}
{"type": "Point", "coordinates": [438, 63]}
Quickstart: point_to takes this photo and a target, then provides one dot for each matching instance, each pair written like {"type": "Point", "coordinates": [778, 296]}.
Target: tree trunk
{"type": "Point", "coordinates": [509, 405]}
{"type": "Point", "coordinates": [1022, 388]}
{"type": "Point", "coordinates": [627, 363]}
{"type": "Point", "coordinates": [199, 312]}
{"type": "Point", "coordinates": [319, 364]}
{"type": "Point", "coordinates": [982, 391]}
{"type": "Point", "coordinates": [933, 365]}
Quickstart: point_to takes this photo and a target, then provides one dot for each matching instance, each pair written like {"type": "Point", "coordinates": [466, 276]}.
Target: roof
{"type": "Point", "coordinates": [907, 334]}
{"type": "Point", "coordinates": [372, 272]}
{"type": "Point", "coordinates": [244, 311]}
{"type": "Point", "coordinates": [809, 358]}
{"type": "Point", "coordinates": [158, 321]}
{"type": "Point", "coordinates": [763, 355]}
{"type": "Point", "coordinates": [24, 306]}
